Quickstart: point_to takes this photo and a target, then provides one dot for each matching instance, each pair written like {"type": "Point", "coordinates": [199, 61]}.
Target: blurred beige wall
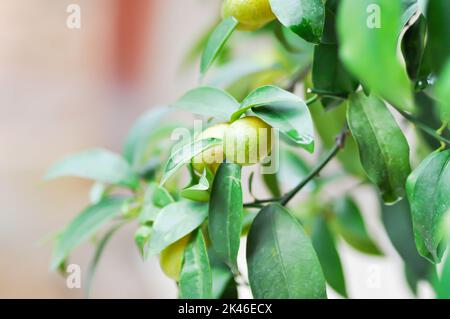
{"type": "Point", "coordinates": [57, 96]}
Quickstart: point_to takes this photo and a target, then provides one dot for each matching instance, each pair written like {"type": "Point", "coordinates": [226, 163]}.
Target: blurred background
{"type": "Point", "coordinates": [63, 90]}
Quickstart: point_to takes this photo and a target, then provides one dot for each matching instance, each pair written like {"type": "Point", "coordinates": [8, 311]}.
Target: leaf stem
{"type": "Point", "coordinates": [340, 141]}
{"type": "Point", "coordinates": [339, 144]}
{"type": "Point", "coordinates": [428, 130]}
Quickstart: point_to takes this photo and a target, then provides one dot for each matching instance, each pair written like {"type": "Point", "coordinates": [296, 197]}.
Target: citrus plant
{"type": "Point", "coordinates": [340, 79]}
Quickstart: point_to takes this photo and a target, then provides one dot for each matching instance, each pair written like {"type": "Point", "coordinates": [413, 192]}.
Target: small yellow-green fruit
{"type": "Point", "coordinates": [251, 14]}
{"type": "Point", "coordinates": [213, 156]}
{"type": "Point", "coordinates": [247, 141]}
{"type": "Point", "coordinates": [171, 258]}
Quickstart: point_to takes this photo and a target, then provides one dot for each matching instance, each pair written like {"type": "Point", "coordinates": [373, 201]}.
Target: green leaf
{"type": "Point", "coordinates": [398, 224]}
{"type": "Point", "coordinates": [96, 259]}
{"type": "Point", "coordinates": [208, 101]}
{"type": "Point", "coordinates": [176, 220]}
{"type": "Point", "coordinates": [83, 227]}
{"type": "Point", "coordinates": [216, 41]}
{"type": "Point", "coordinates": [443, 93]}
{"type": "Point", "coordinates": [223, 284]}
{"type": "Point", "coordinates": [383, 149]}
{"type": "Point", "coordinates": [328, 125]}
{"type": "Point", "coordinates": [155, 198]}
{"type": "Point", "coordinates": [195, 277]}
{"type": "Point", "coordinates": [292, 169]}
{"type": "Point", "coordinates": [409, 8]}
{"type": "Point", "coordinates": [350, 225]}
{"type": "Point", "coordinates": [428, 190]}
{"type": "Point", "coordinates": [198, 191]}
{"type": "Point", "coordinates": [264, 95]}
{"type": "Point", "coordinates": [141, 238]}
{"type": "Point", "coordinates": [139, 135]}
{"type": "Point", "coordinates": [368, 34]}
{"type": "Point", "coordinates": [438, 16]}
{"type": "Point", "coordinates": [281, 260]}
{"type": "Point", "coordinates": [325, 247]}
{"type": "Point", "coordinates": [304, 17]}
{"type": "Point", "coordinates": [225, 213]}
{"type": "Point", "coordinates": [184, 154]}
{"type": "Point", "coordinates": [413, 48]}
{"type": "Point", "coordinates": [329, 74]}
{"type": "Point", "coordinates": [100, 165]}
{"type": "Point", "coordinates": [443, 287]}
{"type": "Point", "coordinates": [329, 32]}
{"type": "Point", "coordinates": [290, 118]}
{"type": "Point", "coordinates": [271, 182]}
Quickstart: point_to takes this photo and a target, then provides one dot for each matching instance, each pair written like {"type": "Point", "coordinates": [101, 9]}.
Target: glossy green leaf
{"type": "Point", "coordinates": [325, 247]}
{"type": "Point", "coordinates": [442, 91]}
{"type": "Point", "coordinates": [383, 149]}
{"type": "Point", "coordinates": [304, 17]}
{"type": "Point", "coordinates": [223, 284]}
{"type": "Point", "coordinates": [271, 182]}
{"type": "Point", "coordinates": [141, 238]}
{"type": "Point", "coordinates": [139, 135]}
{"type": "Point", "coordinates": [83, 227]}
{"type": "Point", "coordinates": [264, 95]}
{"type": "Point", "coordinates": [292, 119]}
{"type": "Point", "coordinates": [438, 16]}
{"type": "Point", "coordinates": [195, 277]}
{"type": "Point", "coordinates": [184, 154]}
{"type": "Point", "coordinates": [97, 255]}
{"type": "Point", "coordinates": [208, 101]}
{"type": "Point", "coordinates": [225, 213]}
{"type": "Point", "coordinates": [398, 224]}
{"type": "Point", "coordinates": [329, 74]}
{"type": "Point", "coordinates": [428, 190]}
{"type": "Point", "coordinates": [409, 8]}
{"type": "Point", "coordinates": [443, 287]}
{"type": "Point", "coordinates": [328, 125]}
{"type": "Point", "coordinates": [216, 42]}
{"type": "Point", "coordinates": [413, 47]}
{"type": "Point", "coordinates": [350, 225]}
{"type": "Point", "coordinates": [155, 198]}
{"type": "Point", "coordinates": [100, 165]}
{"type": "Point", "coordinates": [175, 221]}
{"type": "Point", "coordinates": [281, 260]}
{"type": "Point", "coordinates": [198, 191]}
{"type": "Point", "coordinates": [368, 34]}
{"type": "Point", "coordinates": [329, 32]}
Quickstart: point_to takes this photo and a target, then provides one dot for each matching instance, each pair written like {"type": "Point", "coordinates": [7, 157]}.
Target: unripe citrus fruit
{"type": "Point", "coordinates": [247, 141]}
{"type": "Point", "coordinates": [251, 14]}
{"type": "Point", "coordinates": [213, 156]}
{"type": "Point", "coordinates": [171, 258]}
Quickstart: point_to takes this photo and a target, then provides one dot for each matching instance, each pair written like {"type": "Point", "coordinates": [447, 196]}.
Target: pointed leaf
{"type": "Point", "coordinates": [304, 17]}
{"type": "Point", "coordinates": [281, 260]}
{"type": "Point", "coordinates": [175, 221]}
{"type": "Point", "coordinates": [368, 32]}
{"type": "Point", "coordinates": [350, 225]}
{"type": "Point", "coordinates": [184, 154]}
{"type": "Point", "coordinates": [290, 118]}
{"type": "Point", "coordinates": [443, 288]}
{"type": "Point", "coordinates": [264, 95]}
{"type": "Point", "coordinates": [84, 226]}
{"type": "Point", "coordinates": [100, 165]}
{"type": "Point", "coordinates": [195, 277]}
{"type": "Point", "coordinates": [155, 198]}
{"type": "Point", "coordinates": [428, 190]}
{"type": "Point", "coordinates": [199, 191]}
{"type": "Point", "coordinates": [140, 133]}
{"type": "Point", "coordinates": [383, 149]}
{"type": "Point", "coordinates": [208, 101]}
{"type": "Point", "coordinates": [216, 41]}
{"type": "Point", "coordinates": [443, 93]}
{"type": "Point", "coordinates": [225, 213]}
{"type": "Point", "coordinates": [325, 247]}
